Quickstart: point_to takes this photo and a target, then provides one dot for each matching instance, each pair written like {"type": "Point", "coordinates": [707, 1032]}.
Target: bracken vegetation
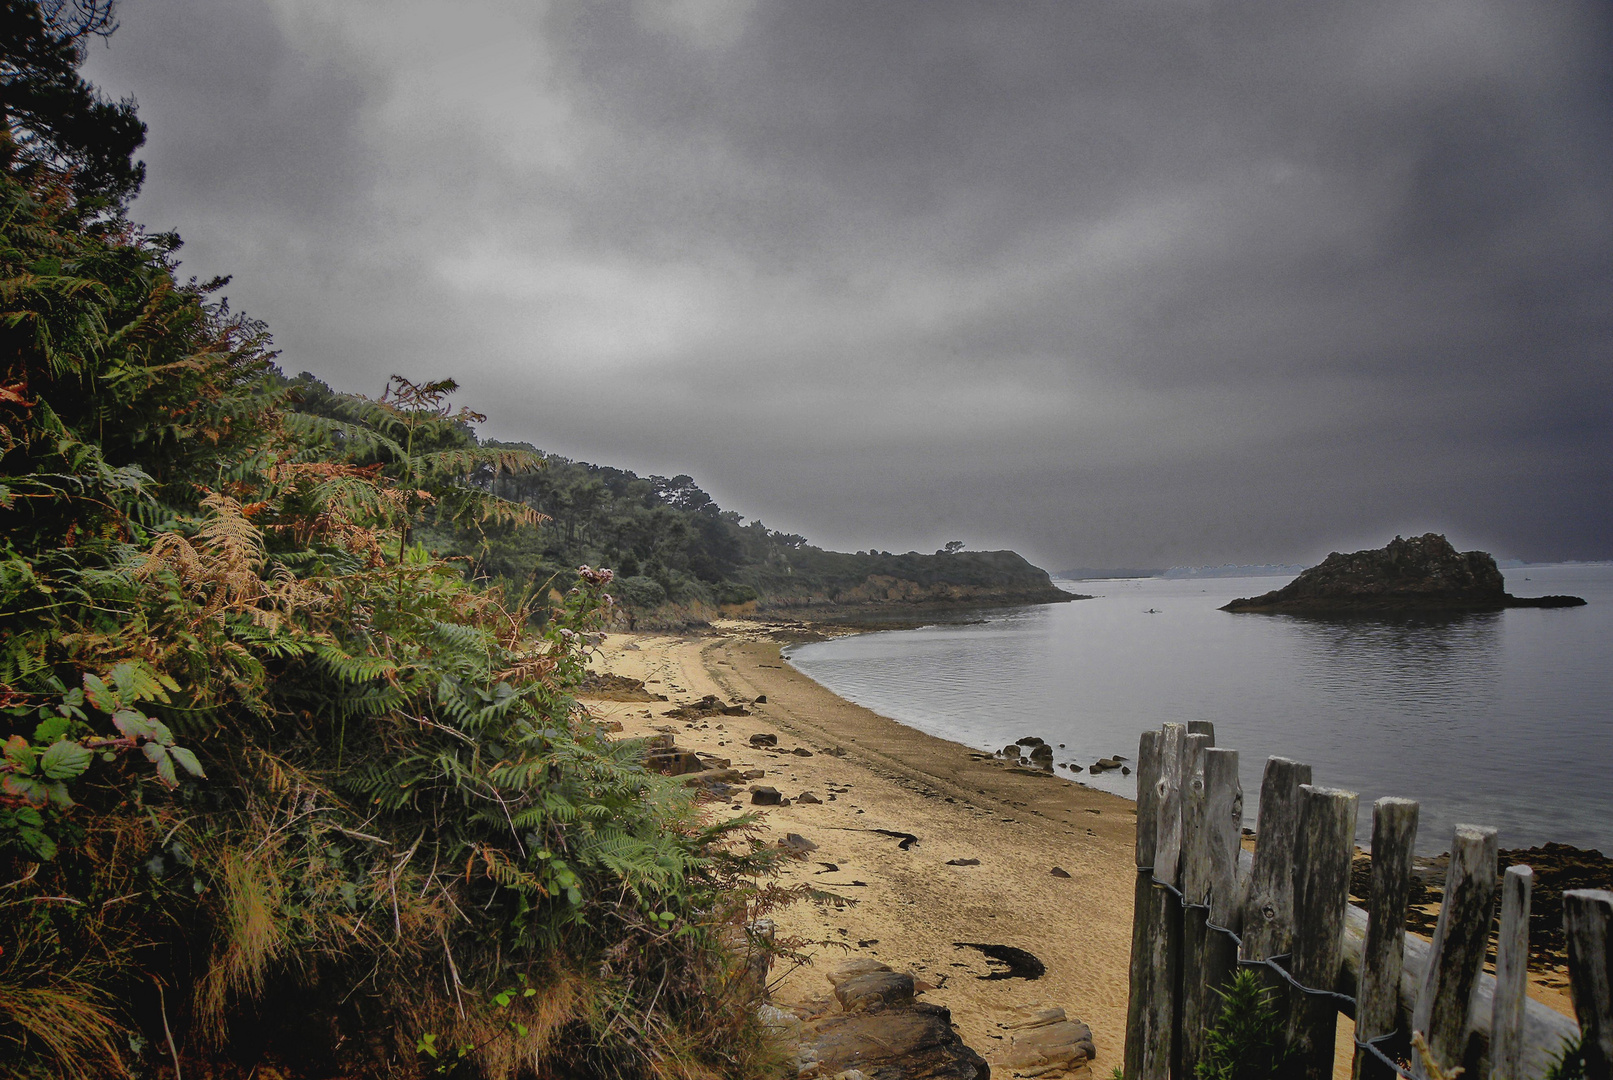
{"type": "Point", "coordinates": [279, 784]}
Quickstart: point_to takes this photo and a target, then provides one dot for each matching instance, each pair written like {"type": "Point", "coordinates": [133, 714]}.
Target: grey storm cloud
{"type": "Point", "coordinates": [1167, 281]}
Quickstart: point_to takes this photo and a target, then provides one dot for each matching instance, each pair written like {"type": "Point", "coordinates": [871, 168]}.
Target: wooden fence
{"type": "Point", "coordinates": [1205, 907]}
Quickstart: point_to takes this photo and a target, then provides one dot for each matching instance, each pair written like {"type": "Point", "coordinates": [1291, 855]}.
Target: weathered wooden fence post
{"type": "Point", "coordinates": [1461, 940]}
{"type": "Point", "coordinates": [1323, 850]}
{"type": "Point", "coordinates": [1511, 975]}
{"type": "Point", "coordinates": [1268, 912]}
{"type": "Point", "coordinates": [1588, 926]}
{"type": "Point", "coordinates": [1147, 911]}
{"type": "Point", "coordinates": [1211, 963]}
{"type": "Point", "coordinates": [1195, 897]}
{"type": "Point", "coordinates": [1160, 1058]}
{"type": "Point", "coordinates": [1394, 840]}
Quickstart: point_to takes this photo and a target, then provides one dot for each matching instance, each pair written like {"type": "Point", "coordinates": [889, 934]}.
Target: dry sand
{"type": "Point", "coordinates": [908, 907]}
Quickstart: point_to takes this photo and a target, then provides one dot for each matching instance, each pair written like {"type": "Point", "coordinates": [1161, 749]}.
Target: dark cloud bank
{"type": "Point", "coordinates": [1130, 284]}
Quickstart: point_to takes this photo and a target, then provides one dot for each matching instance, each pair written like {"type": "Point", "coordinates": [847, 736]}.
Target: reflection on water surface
{"type": "Point", "coordinates": [1499, 718]}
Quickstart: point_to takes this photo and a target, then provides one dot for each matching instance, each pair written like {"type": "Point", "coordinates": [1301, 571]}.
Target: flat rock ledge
{"type": "Point", "coordinates": [1424, 573]}
{"type": "Point", "coordinates": [874, 1030]}
{"type": "Point", "coordinates": [1046, 1043]}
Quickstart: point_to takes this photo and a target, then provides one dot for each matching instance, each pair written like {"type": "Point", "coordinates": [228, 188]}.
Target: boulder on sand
{"type": "Point", "coordinates": [674, 762]}
{"type": "Point", "coordinates": [883, 1033]}
{"type": "Point", "coordinates": [850, 969]}
{"type": "Point", "coordinates": [1048, 1040]}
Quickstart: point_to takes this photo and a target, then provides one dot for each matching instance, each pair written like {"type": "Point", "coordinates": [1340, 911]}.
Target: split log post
{"type": "Point", "coordinates": [1195, 897]}
{"type": "Point", "coordinates": [1147, 909]}
{"type": "Point", "coordinates": [1268, 911]}
{"type": "Point", "coordinates": [1160, 1055]}
{"type": "Point", "coordinates": [1377, 999]}
{"type": "Point", "coordinates": [1461, 940]}
{"type": "Point", "coordinates": [1323, 850]}
{"type": "Point", "coordinates": [1511, 975]}
{"type": "Point", "coordinates": [1588, 926]}
{"type": "Point", "coordinates": [1168, 814]}
{"type": "Point", "coordinates": [1223, 838]}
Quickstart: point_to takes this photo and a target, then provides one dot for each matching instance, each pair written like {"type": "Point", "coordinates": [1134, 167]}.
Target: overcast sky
{"type": "Point", "coordinates": [1146, 283]}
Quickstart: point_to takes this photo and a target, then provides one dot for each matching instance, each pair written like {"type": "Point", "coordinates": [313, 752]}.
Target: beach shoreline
{"type": "Point", "coordinates": [909, 904]}
{"type": "Point", "coordinates": [906, 906]}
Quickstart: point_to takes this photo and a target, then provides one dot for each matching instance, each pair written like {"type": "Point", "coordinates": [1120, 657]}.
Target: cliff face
{"type": "Point", "coordinates": [1422, 573]}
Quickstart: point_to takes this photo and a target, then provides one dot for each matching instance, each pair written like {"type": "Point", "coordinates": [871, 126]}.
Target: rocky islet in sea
{"type": "Point", "coordinates": [1423, 573]}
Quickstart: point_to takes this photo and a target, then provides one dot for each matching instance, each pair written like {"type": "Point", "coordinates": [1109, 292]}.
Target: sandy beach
{"type": "Point", "coordinates": [908, 904]}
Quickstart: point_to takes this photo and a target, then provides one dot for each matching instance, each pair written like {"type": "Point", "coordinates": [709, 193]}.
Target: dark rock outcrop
{"type": "Point", "coordinates": [875, 990]}
{"type": "Point", "coordinates": [710, 705]}
{"type": "Point", "coordinates": [883, 1033]}
{"type": "Point", "coordinates": [673, 762]}
{"type": "Point", "coordinates": [607, 687]}
{"type": "Point", "coordinates": [1424, 573]}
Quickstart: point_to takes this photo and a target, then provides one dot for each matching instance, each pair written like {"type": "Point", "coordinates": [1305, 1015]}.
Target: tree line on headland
{"type": "Point", "coordinates": [677, 557]}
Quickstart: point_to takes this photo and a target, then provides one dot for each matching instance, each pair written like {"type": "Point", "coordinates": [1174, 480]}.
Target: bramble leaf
{"type": "Point", "coordinates": [20, 754]}
{"type": "Point", "coordinates": [132, 724]}
{"type": "Point", "coordinates": [52, 729]}
{"type": "Point", "coordinates": [165, 764]}
{"type": "Point", "coordinates": [188, 761]}
{"type": "Point", "coordinates": [64, 760]}
{"type": "Point", "coordinates": [20, 787]}
{"type": "Point", "coordinates": [39, 843]}
{"type": "Point", "coordinates": [100, 695]}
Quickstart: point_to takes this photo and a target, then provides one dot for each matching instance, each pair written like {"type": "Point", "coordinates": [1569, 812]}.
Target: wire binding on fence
{"type": "Point", "coordinates": [1370, 1046]}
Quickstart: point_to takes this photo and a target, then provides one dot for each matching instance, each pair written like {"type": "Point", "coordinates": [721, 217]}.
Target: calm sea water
{"type": "Point", "coordinates": [1502, 719]}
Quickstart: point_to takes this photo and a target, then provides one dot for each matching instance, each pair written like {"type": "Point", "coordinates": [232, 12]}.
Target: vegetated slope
{"type": "Point", "coordinates": [679, 557]}
{"type": "Point", "coordinates": [279, 786]}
